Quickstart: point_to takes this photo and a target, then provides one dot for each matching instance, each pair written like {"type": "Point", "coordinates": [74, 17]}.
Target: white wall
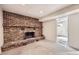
{"type": "Point", "coordinates": [49, 30]}
{"type": "Point", "coordinates": [1, 29]}
{"type": "Point", "coordinates": [74, 31]}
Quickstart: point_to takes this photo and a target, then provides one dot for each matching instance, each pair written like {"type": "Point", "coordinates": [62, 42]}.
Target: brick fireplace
{"type": "Point", "coordinates": [20, 30]}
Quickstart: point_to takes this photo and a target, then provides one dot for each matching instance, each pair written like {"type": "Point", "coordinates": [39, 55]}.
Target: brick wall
{"type": "Point", "coordinates": [16, 25]}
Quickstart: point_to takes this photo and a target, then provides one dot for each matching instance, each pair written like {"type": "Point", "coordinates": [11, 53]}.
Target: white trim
{"type": "Point", "coordinates": [61, 15]}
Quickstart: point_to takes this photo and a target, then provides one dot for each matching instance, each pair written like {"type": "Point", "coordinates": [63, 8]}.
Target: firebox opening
{"type": "Point", "coordinates": [29, 35]}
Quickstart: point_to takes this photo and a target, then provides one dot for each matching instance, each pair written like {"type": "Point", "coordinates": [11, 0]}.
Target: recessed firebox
{"type": "Point", "coordinates": [29, 35]}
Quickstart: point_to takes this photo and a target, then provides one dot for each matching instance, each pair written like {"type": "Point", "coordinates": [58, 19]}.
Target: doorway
{"type": "Point", "coordinates": [62, 31]}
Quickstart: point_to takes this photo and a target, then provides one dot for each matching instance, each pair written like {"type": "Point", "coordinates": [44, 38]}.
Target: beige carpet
{"type": "Point", "coordinates": [43, 47]}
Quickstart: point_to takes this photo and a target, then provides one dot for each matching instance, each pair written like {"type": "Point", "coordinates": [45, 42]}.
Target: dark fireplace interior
{"type": "Point", "coordinates": [29, 35]}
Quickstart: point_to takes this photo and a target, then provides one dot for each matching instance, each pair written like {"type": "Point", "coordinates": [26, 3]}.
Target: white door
{"type": "Point", "coordinates": [62, 31]}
